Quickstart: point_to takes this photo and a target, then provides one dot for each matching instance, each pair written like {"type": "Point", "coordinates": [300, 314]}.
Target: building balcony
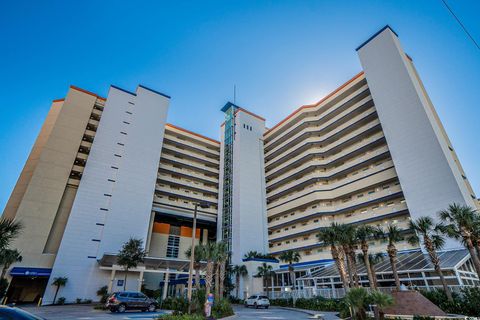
{"type": "Point", "coordinates": [322, 132]}
{"type": "Point", "coordinates": [184, 172]}
{"type": "Point", "coordinates": [303, 160]}
{"type": "Point", "coordinates": [314, 194]}
{"type": "Point", "coordinates": [325, 146]}
{"type": "Point", "coordinates": [327, 173]}
{"type": "Point", "coordinates": [318, 124]}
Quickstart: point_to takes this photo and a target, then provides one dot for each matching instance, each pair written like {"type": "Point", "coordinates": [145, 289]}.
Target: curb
{"type": "Point", "coordinates": [310, 312]}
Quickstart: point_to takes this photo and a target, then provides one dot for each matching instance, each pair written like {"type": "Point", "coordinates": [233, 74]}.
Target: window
{"type": "Point", "coordinates": [173, 246]}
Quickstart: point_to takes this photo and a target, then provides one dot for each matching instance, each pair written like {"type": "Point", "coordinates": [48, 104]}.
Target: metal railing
{"type": "Point", "coordinates": [337, 293]}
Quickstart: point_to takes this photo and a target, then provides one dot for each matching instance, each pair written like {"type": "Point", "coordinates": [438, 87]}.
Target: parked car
{"type": "Point", "coordinates": [128, 300]}
{"type": "Point", "coordinates": [257, 301]}
{"type": "Point", "coordinates": [16, 314]}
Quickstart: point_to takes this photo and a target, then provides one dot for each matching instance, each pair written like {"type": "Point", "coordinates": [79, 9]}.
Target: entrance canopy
{"type": "Point", "coordinates": [152, 263]}
{"type": "Point", "coordinates": [30, 272]}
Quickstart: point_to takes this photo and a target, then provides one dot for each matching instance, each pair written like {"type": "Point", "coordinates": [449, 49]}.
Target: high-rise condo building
{"type": "Point", "coordinates": [104, 170]}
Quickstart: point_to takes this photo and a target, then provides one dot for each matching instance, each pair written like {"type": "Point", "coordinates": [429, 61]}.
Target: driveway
{"type": "Point", "coordinates": [86, 312]}
{"type": "Point", "coordinates": [272, 313]}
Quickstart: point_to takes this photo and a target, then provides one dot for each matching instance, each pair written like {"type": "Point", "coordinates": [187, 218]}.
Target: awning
{"type": "Point", "coordinates": [30, 272]}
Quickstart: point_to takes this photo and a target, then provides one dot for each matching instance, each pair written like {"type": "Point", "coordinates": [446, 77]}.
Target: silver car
{"type": "Point", "coordinates": [122, 301]}
{"type": "Point", "coordinates": [257, 301]}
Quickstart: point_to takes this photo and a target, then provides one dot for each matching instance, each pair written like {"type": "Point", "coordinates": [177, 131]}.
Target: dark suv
{"type": "Point", "coordinates": [126, 300]}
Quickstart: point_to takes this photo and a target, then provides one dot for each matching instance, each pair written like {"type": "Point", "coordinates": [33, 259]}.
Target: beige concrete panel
{"type": "Point", "coordinates": [61, 218]}
{"type": "Point", "coordinates": [32, 161]}
{"type": "Point", "coordinates": [158, 245]}
{"type": "Point", "coordinates": [44, 193]}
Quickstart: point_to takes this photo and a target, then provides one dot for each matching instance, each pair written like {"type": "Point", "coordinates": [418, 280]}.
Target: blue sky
{"type": "Point", "coordinates": [280, 55]}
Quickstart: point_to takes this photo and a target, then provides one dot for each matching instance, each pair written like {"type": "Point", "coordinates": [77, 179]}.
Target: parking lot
{"type": "Point", "coordinates": [86, 312]}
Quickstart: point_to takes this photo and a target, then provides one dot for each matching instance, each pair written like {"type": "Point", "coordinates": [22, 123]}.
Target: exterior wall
{"type": "Point", "coordinates": [249, 208]}
{"type": "Point", "coordinates": [114, 198]}
{"type": "Point", "coordinates": [188, 174]}
{"type": "Point", "coordinates": [51, 164]}
{"type": "Point", "coordinates": [32, 161]}
{"type": "Point", "coordinates": [422, 154]}
{"type": "Point", "coordinates": [329, 162]}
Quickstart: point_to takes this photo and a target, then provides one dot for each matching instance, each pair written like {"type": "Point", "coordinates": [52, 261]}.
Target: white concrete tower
{"type": "Point", "coordinates": [428, 169]}
{"type": "Point", "coordinates": [114, 198]}
{"type": "Point", "coordinates": [242, 219]}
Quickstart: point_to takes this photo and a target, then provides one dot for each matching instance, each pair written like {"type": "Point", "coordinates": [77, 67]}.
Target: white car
{"type": "Point", "coordinates": [257, 301]}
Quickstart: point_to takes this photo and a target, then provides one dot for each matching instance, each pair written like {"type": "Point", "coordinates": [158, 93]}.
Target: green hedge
{"type": "Point", "coordinates": [317, 304]}
{"type": "Point", "coordinates": [467, 303]}
{"type": "Point", "coordinates": [220, 309]}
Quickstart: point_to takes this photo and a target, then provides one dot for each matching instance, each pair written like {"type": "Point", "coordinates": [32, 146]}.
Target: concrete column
{"type": "Point", "coordinates": [165, 285]}
{"type": "Point", "coordinates": [112, 278]}
{"type": "Point", "coordinates": [140, 281]}
{"type": "Point", "coordinates": [205, 236]}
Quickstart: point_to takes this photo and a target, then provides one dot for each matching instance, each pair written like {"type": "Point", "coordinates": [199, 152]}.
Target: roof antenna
{"type": "Point", "coordinates": [234, 94]}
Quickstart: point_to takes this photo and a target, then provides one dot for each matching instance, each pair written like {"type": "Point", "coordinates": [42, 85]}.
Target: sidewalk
{"type": "Point", "coordinates": [326, 315]}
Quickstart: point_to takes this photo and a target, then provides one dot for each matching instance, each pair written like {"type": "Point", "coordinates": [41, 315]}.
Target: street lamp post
{"type": "Point", "coordinates": [192, 255]}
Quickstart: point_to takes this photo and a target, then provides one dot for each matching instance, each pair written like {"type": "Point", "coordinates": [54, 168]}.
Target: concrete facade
{"type": "Point", "coordinates": [104, 170]}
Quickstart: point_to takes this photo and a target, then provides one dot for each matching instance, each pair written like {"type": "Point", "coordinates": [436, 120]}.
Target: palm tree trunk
{"type": "Point", "coordinates": [55, 296]}
{"type": "Point", "coordinates": [237, 285]}
{"type": "Point", "coordinates": [292, 278]}
{"type": "Point", "coordinates": [349, 265]}
{"type": "Point", "coordinates": [351, 256]}
{"type": "Point", "coordinates": [222, 277]}
{"type": "Point", "coordinates": [217, 281]}
{"type": "Point", "coordinates": [436, 263]}
{"type": "Point", "coordinates": [392, 254]}
{"type": "Point", "coordinates": [340, 266]}
{"type": "Point", "coordinates": [4, 271]}
{"type": "Point", "coordinates": [125, 280]}
{"type": "Point", "coordinates": [374, 275]}
{"type": "Point", "coordinates": [208, 278]}
{"type": "Point", "coordinates": [473, 254]}
{"type": "Point", "coordinates": [265, 280]}
{"type": "Point", "coordinates": [366, 261]}
{"type": "Point", "coordinates": [197, 278]}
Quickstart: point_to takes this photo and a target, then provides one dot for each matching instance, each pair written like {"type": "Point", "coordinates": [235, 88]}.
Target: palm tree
{"type": "Point", "coordinates": [209, 254]}
{"type": "Point", "coordinates": [363, 234]}
{"type": "Point", "coordinates": [380, 300]}
{"type": "Point", "coordinates": [356, 299]}
{"type": "Point", "coordinates": [291, 257]}
{"type": "Point", "coordinates": [393, 235]}
{"type": "Point", "coordinates": [348, 241]}
{"type": "Point", "coordinates": [432, 241]}
{"type": "Point", "coordinates": [329, 236]}
{"type": "Point", "coordinates": [58, 282]}
{"type": "Point", "coordinates": [265, 271]}
{"type": "Point", "coordinates": [374, 259]}
{"type": "Point", "coordinates": [197, 259]}
{"type": "Point", "coordinates": [252, 254]}
{"type": "Point", "coordinates": [459, 222]}
{"type": "Point", "coordinates": [130, 256]}
{"type": "Point", "coordinates": [7, 258]}
{"type": "Point", "coordinates": [9, 229]}
{"type": "Point", "coordinates": [239, 271]}
{"type": "Point", "coordinates": [222, 257]}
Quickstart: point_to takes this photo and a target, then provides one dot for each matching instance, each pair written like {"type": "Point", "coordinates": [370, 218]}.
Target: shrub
{"type": "Point", "coordinates": [235, 300]}
{"type": "Point", "coordinates": [222, 309]}
{"type": "Point", "coordinates": [61, 300]}
{"type": "Point", "coordinates": [465, 303]}
{"type": "Point", "coordinates": [87, 301]}
{"type": "Point", "coordinates": [175, 304]}
{"type": "Point", "coordinates": [78, 300]}
{"type": "Point", "coordinates": [181, 317]}
{"type": "Point", "coordinates": [103, 293]}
